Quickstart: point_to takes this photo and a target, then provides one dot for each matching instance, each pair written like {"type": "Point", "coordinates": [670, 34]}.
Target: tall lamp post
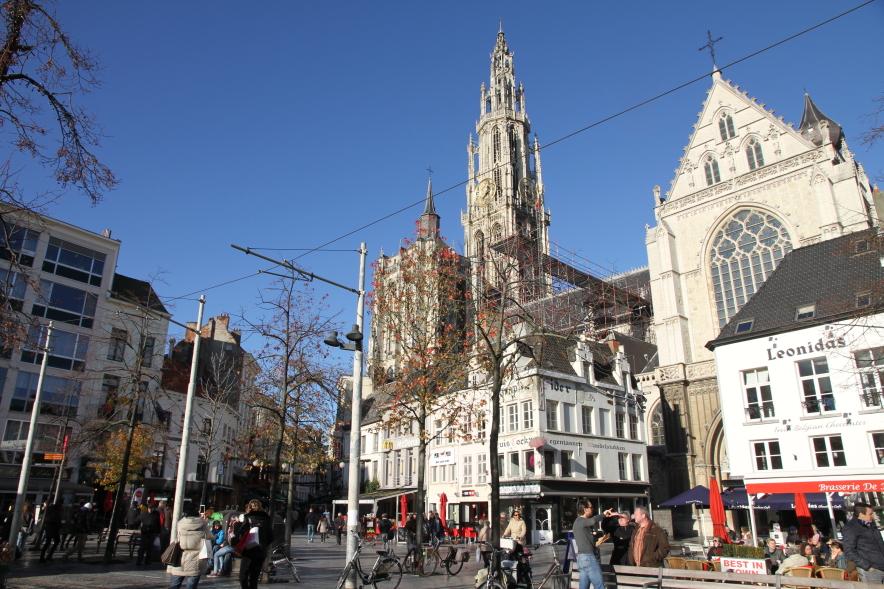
{"type": "Point", "coordinates": [355, 346]}
{"type": "Point", "coordinates": [25, 473]}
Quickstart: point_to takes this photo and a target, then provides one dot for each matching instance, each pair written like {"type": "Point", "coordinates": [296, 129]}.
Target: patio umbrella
{"type": "Point", "coordinates": [802, 512]}
{"type": "Point", "coordinates": [403, 509]}
{"type": "Point", "coordinates": [698, 496]}
{"type": "Point", "coordinates": [443, 503]}
{"type": "Point", "coordinates": [716, 511]}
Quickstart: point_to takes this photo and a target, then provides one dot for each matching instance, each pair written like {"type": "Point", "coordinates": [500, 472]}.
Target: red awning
{"type": "Point", "coordinates": [818, 486]}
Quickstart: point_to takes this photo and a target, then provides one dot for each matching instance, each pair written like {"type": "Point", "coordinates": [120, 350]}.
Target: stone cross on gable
{"type": "Point", "coordinates": [710, 45]}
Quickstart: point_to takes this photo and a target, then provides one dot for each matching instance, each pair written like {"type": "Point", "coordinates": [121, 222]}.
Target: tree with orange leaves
{"type": "Point", "coordinates": [420, 345]}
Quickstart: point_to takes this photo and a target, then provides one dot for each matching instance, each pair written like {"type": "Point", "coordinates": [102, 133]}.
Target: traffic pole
{"type": "Point", "coordinates": [185, 427]}
{"type": "Point", "coordinates": [25, 473]}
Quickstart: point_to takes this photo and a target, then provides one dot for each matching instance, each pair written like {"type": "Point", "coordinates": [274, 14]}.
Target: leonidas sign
{"type": "Point", "coordinates": [751, 566]}
{"type": "Point", "coordinates": [845, 486]}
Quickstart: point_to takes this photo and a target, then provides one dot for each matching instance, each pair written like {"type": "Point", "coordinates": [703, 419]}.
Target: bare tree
{"type": "Point", "coordinates": [293, 362]}
{"type": "Point", "coordinates": [218, 395]}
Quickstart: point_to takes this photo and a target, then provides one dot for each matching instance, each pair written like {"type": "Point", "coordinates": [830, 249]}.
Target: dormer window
{"type": "Point", "coordinates": [710, 166]}
{"type": "Point", "coordinates": [805, 312]}
{"type": "Point", "coordinates": [726, 127]}
{"type": "Point", "coordinates": [753, 154]}
{"type": "Point", "coordinates": [744, 326]}
{"type": "Point", "coordinates": [861, 246]}
{"type": "Point", "coordinates": [863, 300]}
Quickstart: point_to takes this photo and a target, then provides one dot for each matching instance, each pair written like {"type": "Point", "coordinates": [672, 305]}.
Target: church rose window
{"type": "Point", "coordinates": [745, 251]}
{"type": "Point", "coordinates": [711, 169]}
{"type": "Point", "coordinates": [753, 154]}
{"type": "Point", "coordinates": [726, 127]}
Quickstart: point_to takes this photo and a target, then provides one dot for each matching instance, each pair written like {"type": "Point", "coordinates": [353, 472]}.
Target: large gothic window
{"type": "Point", "coordinates": [710, 166]}
{"type": "Point", "coordinates": [495, 138]}
{"type": "Point", "coordinates": [726, 127]}
{"type": "Point", "coordinates": [658, 434]}
{"type": "Point", "coordinates": [753, 154]}
{"type": "Point", "coordinates": [496, 233]}
{"type": "Point", "coordinates": [745, 251]}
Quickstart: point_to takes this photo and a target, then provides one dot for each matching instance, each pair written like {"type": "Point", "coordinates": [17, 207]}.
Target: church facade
{"type": "Point", "coordinates": [749, 188]}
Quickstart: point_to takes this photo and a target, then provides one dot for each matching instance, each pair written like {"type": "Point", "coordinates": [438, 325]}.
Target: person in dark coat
{"type": "Point", "coordinates": [253, 550]}
{"type": "Point", "coordinates": [620, 529]}
{"type": "Point", "coordinates": [864, 545]}
{"type": "Point", "coordinates": [79, 530]}
{"type": "Point", "coordinates": [150, 529]}
{"type": "Point", "coordinates": [51, 531]}
{"type": "Point", "coordinates": [133, 517]}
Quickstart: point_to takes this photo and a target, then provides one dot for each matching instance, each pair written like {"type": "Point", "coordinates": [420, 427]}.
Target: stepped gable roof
{"type": "Point", "coordinates": [810, 127]}
{"type": "Point", "coordinates": [139, 292]}
{"type": "Point", "coordinates": [831, 275]}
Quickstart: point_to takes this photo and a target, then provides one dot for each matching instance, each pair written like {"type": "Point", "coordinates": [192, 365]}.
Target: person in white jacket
{"type": "Point", "coordinates": [192, 534]}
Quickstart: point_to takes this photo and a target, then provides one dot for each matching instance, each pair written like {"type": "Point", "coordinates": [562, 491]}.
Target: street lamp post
{"type": "Point", "coordinates": [25, 473]}
{"type": "Point", "coordinates": [181, 480]}
{"type": "Point", "coordinates": [355, 345]}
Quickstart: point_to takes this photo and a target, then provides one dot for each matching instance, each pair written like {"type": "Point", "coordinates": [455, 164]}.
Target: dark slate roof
{"type": "Point", "coordinates": [830, 274]}
{"type": "Point", "coordinates": [636, 281]}
{"type": "Point", "coordinates": [556, 353]}
{"type": "Point", "coordinates": [810, 124]}
{"type": "Point", "coordinates": [642, 355]}
{"type": "Point", "coordinates": [136, 291]}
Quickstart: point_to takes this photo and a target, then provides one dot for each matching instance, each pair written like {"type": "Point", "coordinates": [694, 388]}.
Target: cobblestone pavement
{"type": "Point", "coordinates": [319, 566]}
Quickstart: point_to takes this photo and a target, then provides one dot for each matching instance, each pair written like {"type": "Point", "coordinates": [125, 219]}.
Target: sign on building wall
{"type": "Point", "coordinates": [442, 457]}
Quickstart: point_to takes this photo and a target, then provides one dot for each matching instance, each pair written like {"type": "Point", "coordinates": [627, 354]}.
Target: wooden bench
{"type": "Point", "coordinates": [130, 537]}
{"type": "Point", "coordinates": [629, 577]}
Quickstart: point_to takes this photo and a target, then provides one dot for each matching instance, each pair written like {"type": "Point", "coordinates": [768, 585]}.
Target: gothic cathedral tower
{"type": "Point", "coordinates": [505, 195]}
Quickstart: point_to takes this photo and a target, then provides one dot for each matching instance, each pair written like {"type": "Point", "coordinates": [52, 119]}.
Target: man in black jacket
{"type": "Point", "coordinates": [150, 528]}
{"type": "Point", "coordinates": [620, 529]}
{"type": "Point", "coordinates": [253, 537]}
{"type": "Point", "coordinates": [863, 544]}
{"type": "Point", "coordinates": [51, 531]}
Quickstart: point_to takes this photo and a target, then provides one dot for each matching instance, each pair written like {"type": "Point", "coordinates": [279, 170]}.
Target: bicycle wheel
{"type": "Point", "coordinates": [343, 578]}
{"type": "Point", "coordinates": [491, 585]}
{"type": "Point", "coordinates": [428, 563]}
{"type": "Point", "coordinates": [295, 574]}
{"type": "Point", "coordinates": [388, 575]}
{"type": "Point", "coordinates": [453, 566]}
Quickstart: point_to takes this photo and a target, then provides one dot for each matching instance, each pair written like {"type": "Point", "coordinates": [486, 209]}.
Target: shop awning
{"type": "Point", "coordinates": [847, 486]}
{"type": "Point", "coordinates": [738, 498]}
{"type": "Point", "coordinates": [373, 498]}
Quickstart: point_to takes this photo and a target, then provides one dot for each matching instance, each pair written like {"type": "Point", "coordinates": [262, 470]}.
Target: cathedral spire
{"type": "Point", "coordinates": [428, 223]}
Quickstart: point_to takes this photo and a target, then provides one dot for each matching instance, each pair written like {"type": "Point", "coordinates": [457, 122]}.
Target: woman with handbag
{"type": "Point", "coordinates": [254, 534]}
{"type": "Point", "coordinates": [191, 538]}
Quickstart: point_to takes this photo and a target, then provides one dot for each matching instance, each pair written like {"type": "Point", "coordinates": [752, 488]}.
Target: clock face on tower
{"type": "Point", "coordinates": [484, 191]}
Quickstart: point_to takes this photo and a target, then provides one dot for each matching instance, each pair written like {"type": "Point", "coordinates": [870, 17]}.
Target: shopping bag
{"type": "Point", "coordinates": [205, 550]}
{"type": "Point", "coordinates": [172, 555]}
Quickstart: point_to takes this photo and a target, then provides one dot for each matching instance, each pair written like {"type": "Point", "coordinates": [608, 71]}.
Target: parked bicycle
{"type": "Point", "coordinates": [385, 573]}
{"type": "Point", "coordinates": [434, 557]}
{"type": "Point", "coordinates": [281, 565]}
{"type": "Point", "coordinates": [555, 576]}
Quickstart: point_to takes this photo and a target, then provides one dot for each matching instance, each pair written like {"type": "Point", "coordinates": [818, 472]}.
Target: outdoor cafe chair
{"type": "Point", "coordinates": [715, 565]}
{"type": "Point", "coordinates": [831, 573]}
{"type": "Point", "coordinates": [806, 572]}
{"type": "Point", "coordinates": [695, 565]}
{"type": "Point", "coordinates": [675, 562]}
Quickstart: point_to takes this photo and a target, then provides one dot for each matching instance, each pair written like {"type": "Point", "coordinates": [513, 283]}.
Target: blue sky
{"type": "Point", "coordinates": [286, 124]}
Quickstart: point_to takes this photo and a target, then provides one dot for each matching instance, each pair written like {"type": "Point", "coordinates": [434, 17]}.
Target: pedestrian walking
{"type": "Point", "coordinates": [312, 519]}
{"type": "Point", "coordinates": [385, 527]}
{"type": "Point", "coordinates": [649, 544]}
{"type": "Point", "coordinates": [79, 530]}
{"type": "Point", "coordinates": [27, 528]}
{"type": "Point", "coordinates": [322, 528]}
{"type": "Point", "coordinates": [254, 534]}
{"type": "Point", "coordinates": [864, 545]}
{"type": "Point", "coordinates": [340, 527]}
{"type": "Point", "coordinates": [133, 517]}
{"type": "Point", "coordinates": [192, 535]}
{"type": "Point", "coordinates": [51, 531]}
{"type": "Point", "coordinates": [583, 528]}
{"type": "Point", "coordinates": [150, 530]}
